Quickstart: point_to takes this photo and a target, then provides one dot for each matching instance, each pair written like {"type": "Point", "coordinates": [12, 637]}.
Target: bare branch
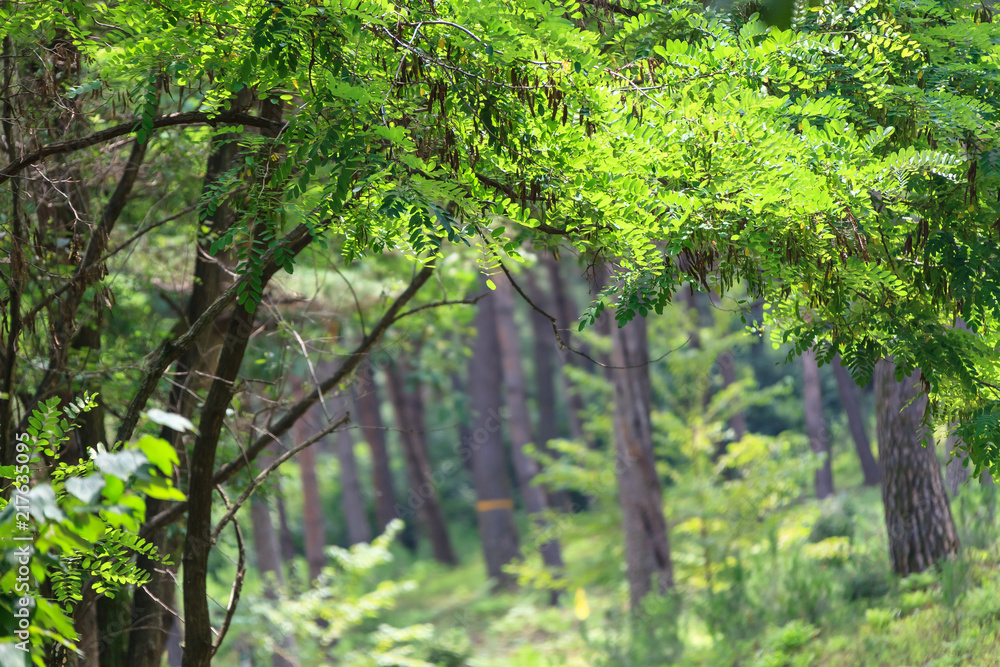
{"type": "Point", "coordinates": [294, 413]}
{"type": "Point", "coordinates": [171, 350]}
{"type": "Point", "coordinates": [234, 595]}
{"type": "Point", "coordinates": [259, 479]}
{"type": "Point", "coordinates": [170, 120]}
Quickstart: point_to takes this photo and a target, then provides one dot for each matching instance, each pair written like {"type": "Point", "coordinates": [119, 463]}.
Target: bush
{"type": "Point", "coordinates": [867, 585]}
{"type": "Point", "coordinates": [835, 520]}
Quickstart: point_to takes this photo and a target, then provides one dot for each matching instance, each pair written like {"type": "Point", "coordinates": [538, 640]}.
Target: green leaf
{"type": "Point", "coordinates": [159, 452]}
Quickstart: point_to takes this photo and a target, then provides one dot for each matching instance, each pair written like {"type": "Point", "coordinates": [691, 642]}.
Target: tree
{"type": "Point", "coordinates": [313, 520]}
{"type": "Point", "coordinates": [269, 565]}
{"type": "Point", "coordinates": [647, 545]}
{"type": "Point", "coordinates": [816, 427]}
{"type": "Point", "coordinates": [640, 138]}
{"type": "Point", "coordinates": [917, 514]}
{"type": "Point", "coordinates": [353, 500]}
{"type": "Point", "coordinates": [509, 348]}
{"type": "Point", "coordinates": [369, 419]}
{"type": "Point", "coordinates": [494, 504]}
{"type": "Point", "coordinates": [855, 420]}
{"type": "Point", "coordinates": [405, 391]}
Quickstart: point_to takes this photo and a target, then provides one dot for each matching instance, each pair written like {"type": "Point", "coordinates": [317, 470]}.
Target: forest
{"type": "Point", "coordinates": [475, 333]}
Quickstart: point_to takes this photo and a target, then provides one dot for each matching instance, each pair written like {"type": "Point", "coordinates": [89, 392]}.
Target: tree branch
{"type": "Point", "coordinates": [169, 120]}
{"type": "Point", "coordinates": [171, 350]}
{"type": "Point", "coordinates": [259, 479]}
{"type": "Point", "coordinates": [283, 425]}
{"type": "Point", "coordinates": [234, 595]}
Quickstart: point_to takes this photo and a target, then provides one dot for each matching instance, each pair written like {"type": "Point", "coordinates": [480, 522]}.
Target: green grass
{"type": "Point", "coordinates": [812, 608]}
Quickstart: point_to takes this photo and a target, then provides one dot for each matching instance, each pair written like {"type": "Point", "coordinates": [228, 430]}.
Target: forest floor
{"type": "Point", "coordinates": [850, 611]}
{"type": "Point", "coordinates": [814, 589]}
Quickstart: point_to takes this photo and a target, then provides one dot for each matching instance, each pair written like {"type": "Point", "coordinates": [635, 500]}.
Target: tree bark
{"type": "Point", "coordinates": [369, 418]}
{"type": "Point", "coordinates": [494, 506]}
{"type": "Point", "coordinates": [535, 501]}
{"type": "Point", "coordinates": [917, 514]}
{"type": "Point", "coordinates": [855, 420]}
{"type": "Point", "coordinates": [647, 546]}
{"type": "Point", "coordinates": [353, 499]}
{"type": "Point", "coordinates": [405, 394]}
{"type": "Point", "coordinates": [819, 434]}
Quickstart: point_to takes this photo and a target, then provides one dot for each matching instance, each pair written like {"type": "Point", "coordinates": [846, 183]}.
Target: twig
{"type": "Point", "coordinates": [234, 595]}
{"type": "Point", "coordinates": [259, 479]}
{"type": "Point", "coordinates": [438, 304]}
{"type": "Point", "coordinates": [294, 413]}
{"type": "Point", "coordinates": [562, 344]}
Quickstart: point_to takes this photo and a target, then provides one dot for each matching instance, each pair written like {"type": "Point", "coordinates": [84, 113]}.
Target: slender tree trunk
{"type": "Point", "coordinates": [358, 529]}
{"type": "Point", "coordinates": [175, 644]}
{"type": "Point", "coordinates": [199, 642]}
{"type": "Point", "coordinates": [464, 449]}
{"type": "Point", "coordinates": [956, 474]}
{"type": "Point", "coordinates": [725, 363]}
{"type": "Point", "coordinates": [494, 506]}
{"type": "Point", "coordinates": [545, 350]}
{"type": "Point", "coordinates": [535, 501]}
{"type": "Point", "coordinates": [647, 546]}
{"type": "Point", "coordinates": [727, 369]}
{"type": "Point", "coordinates": [269, 566]}
{"type": "Point", "coordinates": [369, 418]}
{"type": "Point", "coordinates": [855, 420]}
{"type": "Point", "coordinates": [284, 530]}
{"type": "Point", "coordinates": [819, 434]}
{"type": "Point", "coordinates": [313, 524]}
{"type": "Point", "coordinates": [917, 514]}
{"type": "Point", "coordinates": [423, 490]}
{"type": "Point", "coordinates": [565, 314]}
{"type": "Point", "coordinates": [151, 621]}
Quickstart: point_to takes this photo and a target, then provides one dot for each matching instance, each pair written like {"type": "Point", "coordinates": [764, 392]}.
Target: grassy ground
{"type": "Point", "coordinates": [840, 609]}
{"type": "Point", "coordinates": [811, 585]}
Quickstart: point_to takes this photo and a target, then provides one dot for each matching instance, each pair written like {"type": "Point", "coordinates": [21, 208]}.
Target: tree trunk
{"type": "Point", "coordinates": [369, 418]}
{"type": "Point", "coordinates": [647, 546]}
{"type": "Point", "coordinates": [175, 644]}
{"type": "Point", "coordinates": [819, 434]}
{"type": "Point", "coordinates": [494, 506]}
{"type": "Point", "coordinates": [313, 524]}
{"type": "Point", "coordinates": [151, 621]}
{"type": "Point", "coordinates": [855, 420]}
{"type": "Point", "coordinates": [565, 313]}
{"type": "Point", "coordinates": [353, 500]}
{"type": "Point", "coordinates": [409, 407]}
{"type": "Point", "coordinates": [917, 515]}
{"type": "Point", "coordinates": [956, 474]}
{"type": "Point", "coordinates": [545, 350]}
{"type": "Point", "coordinates": [269, 567]}
{"type": "Point", "coordinates": [727, 369]}
{"type": "Point", "coordinates": [520, 420]}
{"type": "Point", "coordinates": [284, 530]}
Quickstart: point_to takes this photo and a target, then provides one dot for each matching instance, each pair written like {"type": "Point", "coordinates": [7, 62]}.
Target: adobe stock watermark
{"type": "Point", "coordinates": [24, 539]}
